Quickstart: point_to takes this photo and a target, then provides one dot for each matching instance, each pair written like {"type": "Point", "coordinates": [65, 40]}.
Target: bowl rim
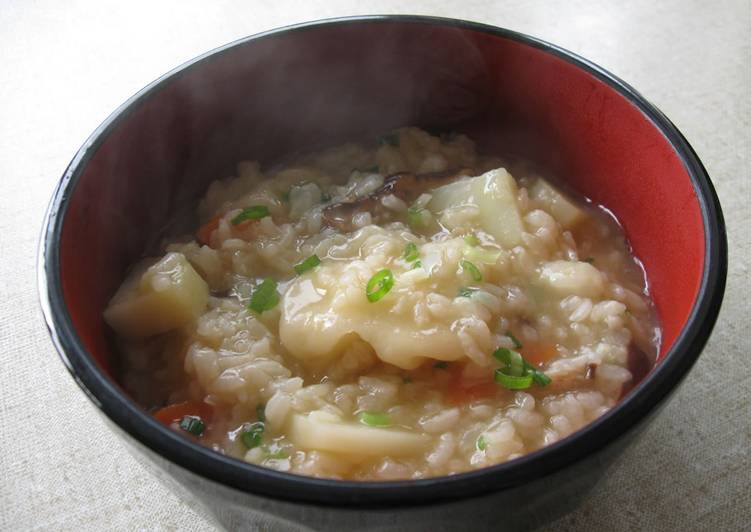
{"type": "Point", "coordinates": [265, 482]}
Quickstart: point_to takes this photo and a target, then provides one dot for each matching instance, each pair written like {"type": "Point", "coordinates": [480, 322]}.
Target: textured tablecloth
{"type": "Point", "coordinates": [66, 65]}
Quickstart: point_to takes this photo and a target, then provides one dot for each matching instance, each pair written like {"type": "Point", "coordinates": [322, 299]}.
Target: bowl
{"type": "Point", "coordinates": [140, 174]}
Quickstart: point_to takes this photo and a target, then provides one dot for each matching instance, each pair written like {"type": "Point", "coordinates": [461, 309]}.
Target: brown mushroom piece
{"type": "Point", "coordinates": [406, 186]}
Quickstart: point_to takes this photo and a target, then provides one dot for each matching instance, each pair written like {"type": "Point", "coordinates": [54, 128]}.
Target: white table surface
{"type": "Point", "coordinates": [66, 65]}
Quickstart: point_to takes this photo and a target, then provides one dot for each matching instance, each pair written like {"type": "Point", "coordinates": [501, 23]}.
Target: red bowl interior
{"type": "Point", "coordinates": [288, 92]}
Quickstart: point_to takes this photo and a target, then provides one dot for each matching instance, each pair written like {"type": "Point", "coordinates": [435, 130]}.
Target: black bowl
{"type": "Point", "coordinates": [321, 83]}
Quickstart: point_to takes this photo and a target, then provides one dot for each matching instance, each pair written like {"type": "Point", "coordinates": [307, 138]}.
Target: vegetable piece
{"type": "Point", "coordinates": [323, 432]}
{"type": "Point", "coordinates": [517, 373]}
{"type": "Point", "coordinates": [472, 240]}
{"type": "Point", "coordinates": [514, 339]}
{"type": "Point", "coordinates": [264, 297]}
{"type": "Point", "coordinates": [571, 277]}
{"type": "Point", "coordinates": [379, 285]}
{"type": "Point", "coordinates": [203, 235]}
{"type": "Point", "coordinates": [308, 264]}
{"type": "Point", "coordinates": [417, 264]}
{"type": "Point", "coordinates": [411, 252]}
{"type": "Point", "coordinates": [416, 217]}
{"type": "Point", "coordinates": [261, 412]}
{"type": "Point", "coordinates": [157, 299]}
{"type": "Point", "coordinates": [254, 212]}
{"type": "Point", "coordinates": [512, 382]}
{"type": "Point", "coordinates": [252, 436]}
{"type": "Point", "coordinates": [175, 413]}
{"type": "Point", "coordinates": [193, 425]}
{"type": "Point", "coordinates": [277, 454]}
{"type": "Point", "coordinates": [481, 444]}
{"type": "Point", "coordinates": [494, 194]}
{"type": "Point", "coordinates": [563, 209]}
{"type": "Point", "coordinates": [537, 353]}
{"type": "Point", "coordinates": [374, 419]}
{"type": "Point", "coordinates": [466, 291]}
{"type": "Point", "coordinates": [482, 255]}
{"type": "Point", "coordinates": [472, 270]}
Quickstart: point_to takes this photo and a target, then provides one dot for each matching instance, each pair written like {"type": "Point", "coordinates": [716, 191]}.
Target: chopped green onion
{"type": "Point", "coordinates": [466, 291]}
{"type": "Point", "coordinates": [264, 297]}
{"type": "Point", "coordinates": [481, 443]}
{"type": "Point", "coordinates": [391, 139]}
{"type": "Point", "coordinates": [252, 436]}
{"type": "Point", "coordinates": [379, 285]}
{"type": "Point", "coordinates": [472, 240]}
{"type": "Point", "coordinates": [473, 271]}
{"type": "Point", "coordinates": [411, 252]}
{"type": "Point", "coordinates": [512, 382]}
{"type": "Point", "coordinates": [285, 196]}
{"type": "Point", "coordinates": [192, 424]}
{"type": "Point", "coordinates": [515, 366]}
{"type": "Point", "coordinates": [589, 260]}
{"type": "Point", "coordinates": [538, 376]}
{"type": "Point", "coordinates": [512, 361]}
{"type": "Point", "coordinates": [277, 454]}
{"type": "Point", "coordinates": [261, 412]}
{"type": "Point", "coordinates": [374, 419]}
{"type": "Point", "coordinates": [256, 212]}
{"type": "Point", "coordinates": [441, 365]}
{"type": "Point", "coordinates": [482, 255]}
{"type": "Point", "coordinates": [514, 339]}
{"type": "Point", "coordinates": [308, 264]}
{"type": "Point", "coordinates": [415, 217]}
{"type": "Point", "coordinates": [325, 198]}
{"type": "Point", "coordinates": [418, 264]}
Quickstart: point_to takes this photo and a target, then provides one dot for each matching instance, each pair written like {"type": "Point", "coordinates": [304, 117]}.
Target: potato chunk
{"type": "Point", "coordinates": [572, 278]}
{"type": "Point", "coordinates": [322, 431]}
{"type": "Point", "coordinates": [494, 195]}
{"type": "Point", "coordinates": [562, 209]}
{"type": "Point", "coordinates": [157, 299]}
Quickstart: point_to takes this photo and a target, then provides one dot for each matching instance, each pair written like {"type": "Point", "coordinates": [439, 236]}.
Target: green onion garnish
{"type": "Point", "coordinates": [374, 419]}
{"type": "Point", "coordinates": [308, 264]}
{"type": "Point", "coordinates": [472, 240]}
{"type": "Point", "coordinates": [514, 339]}
{"type": "Point", "coordinates": [441, 365]}
{"type": "Point", "coordinates": [253, 435]}
{"type": "Point", "coordinates": [516, 371]}
{"type": "Point", "coordinates": [512, 361]}
{"type": "Point", "coordinates": [411, 252]}
{"type": "Point", "coordinates": [481, 444]}
{"type": "Point", "coordinates": [264, 297]}
{"type": "Point", "coordinates": [415, 217]}
{"type": "Point", "coordinates": [192, 424]}
{"type": "Point", "coordinates": [392, 139]}
{"type": "Point", "coordinates": [379, 285]}
{"type": "Point", "coordinates": [473, 271]}
{"type": "Point", "coordinates": [261, 412]}
{"type": "Point", "coordinates": [277, 455]}
{"type": "Point", "coordinates": [256, 212]}
{"type": "Point", "coordinates": [466, 291]}
{"type": "Point", "coordinates": [512, 382]}
{"type": "Point", "coordinates": [417, 264]}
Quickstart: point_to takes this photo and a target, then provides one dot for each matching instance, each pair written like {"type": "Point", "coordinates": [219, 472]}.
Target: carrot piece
{"type": "Point", "coordinates": [463, 390]}
{"type": "Point", "coordinates": [203, 235]}
{"type": "Point", "coordinates": [174, 413]}
{"type": "Point", "coordinates": [538, 354]}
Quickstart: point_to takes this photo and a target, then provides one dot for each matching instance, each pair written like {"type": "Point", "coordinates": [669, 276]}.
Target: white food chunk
{"type": "Point", "coordinates": [494, 197]}
{"type": "Point", "coordinates": [572, 278]}
{"type": "Point", "coordinates": [321, 431]}
{"type": "Point", "coordinates": [157, 299]}
{"type": "Point", "coordinates": [326, 311]}
{"type": "Point", "coordinates": [562, 209]}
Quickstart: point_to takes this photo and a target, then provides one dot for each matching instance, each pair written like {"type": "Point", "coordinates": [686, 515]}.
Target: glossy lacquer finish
{"type": "Point", "coordinates": [141, 173]}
